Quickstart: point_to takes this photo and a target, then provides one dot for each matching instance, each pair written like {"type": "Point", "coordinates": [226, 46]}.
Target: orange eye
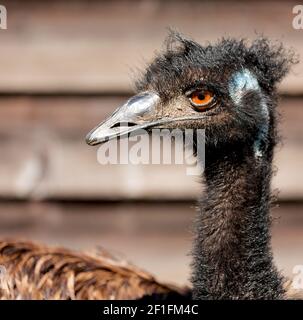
{"type": "Point", "coordinates": [201, 99]}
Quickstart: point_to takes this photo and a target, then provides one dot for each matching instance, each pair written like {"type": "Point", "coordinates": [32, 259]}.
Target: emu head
{"type": "Point", "coordinates": [227, 88]}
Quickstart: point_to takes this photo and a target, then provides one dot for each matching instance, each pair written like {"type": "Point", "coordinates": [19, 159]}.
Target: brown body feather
{"type": "Point", "coordinates": [37, 272]}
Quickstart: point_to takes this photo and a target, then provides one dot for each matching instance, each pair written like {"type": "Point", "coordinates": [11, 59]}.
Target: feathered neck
{"type": "Point", "coordinates": [232, 250]}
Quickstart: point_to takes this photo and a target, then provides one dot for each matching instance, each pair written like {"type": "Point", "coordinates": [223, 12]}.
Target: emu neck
{"type": "Point", "coordinates": [232, 252]}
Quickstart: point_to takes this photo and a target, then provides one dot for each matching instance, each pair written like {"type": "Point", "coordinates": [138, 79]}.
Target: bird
{"type": "Point", "coordinates": [229, 90]}
{"type": "Point", "coordinates": [31, 271]}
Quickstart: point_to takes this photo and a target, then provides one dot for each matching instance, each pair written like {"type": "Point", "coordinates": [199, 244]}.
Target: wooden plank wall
{"type": "Point", "coordinates": [65, 65]}
{"type": "Point", "coordinates": [155, 236]}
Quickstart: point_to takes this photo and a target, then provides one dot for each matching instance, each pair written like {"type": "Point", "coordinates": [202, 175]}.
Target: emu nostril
{"type": "Point", "coordinates": [123, 124]}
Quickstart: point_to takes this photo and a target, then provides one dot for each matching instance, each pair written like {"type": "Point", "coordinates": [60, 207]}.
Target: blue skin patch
{"type": "Point", "coordinates": [240, 83]}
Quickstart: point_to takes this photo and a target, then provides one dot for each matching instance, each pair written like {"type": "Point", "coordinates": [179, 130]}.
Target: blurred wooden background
{"type": "Point", "coordinates": [64, 66]}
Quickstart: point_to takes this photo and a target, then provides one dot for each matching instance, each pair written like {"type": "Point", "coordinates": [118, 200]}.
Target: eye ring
{"type": "Point", "coordinates": [201, 99]}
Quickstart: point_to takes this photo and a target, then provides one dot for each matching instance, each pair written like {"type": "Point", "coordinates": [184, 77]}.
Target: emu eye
{"type": "Point", "coordinates": [201, 99]}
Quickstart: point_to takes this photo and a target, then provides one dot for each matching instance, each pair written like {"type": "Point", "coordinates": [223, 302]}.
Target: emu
{"type": "Point", "coordinates": [229, 90]}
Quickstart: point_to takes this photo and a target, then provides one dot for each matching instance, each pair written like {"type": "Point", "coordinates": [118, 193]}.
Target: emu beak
{"type": "Point", "coordinates": [139, 112]}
